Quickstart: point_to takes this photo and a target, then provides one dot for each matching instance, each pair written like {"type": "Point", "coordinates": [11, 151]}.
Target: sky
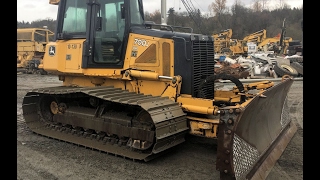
{"type": "Point", "coordinates": [32, 10]}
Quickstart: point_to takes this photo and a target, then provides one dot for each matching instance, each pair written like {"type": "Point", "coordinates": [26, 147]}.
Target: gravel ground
{"type": "Point", "coordinates": [44, 158]}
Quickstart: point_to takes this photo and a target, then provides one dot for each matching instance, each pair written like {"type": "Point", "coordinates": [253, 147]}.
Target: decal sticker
{"type": "Point", "coordinates": [72, 46]}
{"type": "Point", "coordinates": [141, 42]}
{"type": "Point", "coordinates": [52, 50]}
{"type": "Point", "coordinates": [68, 57]}
{"type": "Point", "coordinates": [134, 53]}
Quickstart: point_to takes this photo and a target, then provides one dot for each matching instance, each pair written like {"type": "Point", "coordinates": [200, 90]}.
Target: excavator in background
{"type": "Point", "coordinates": [256, 37]}
{"type": "Point", "coordinates": [238, 48]}
{"type": "Point", "coordinates": [268, 43]}
{"type": "Point", "coordinates": [136, 89]}
{"type": "Point", "coordinates": [288, 46]}
{"type": "Point", "coordinates": [223, 44]}
{"type": "Point", "coordinates": [245, 45]}
{"type": "Point", "coordinates": [280, 44]}
{"type": "Point", "coordinates": [226, 34]}
{"type": "Point", "coordinates": [31, 45]}
{"type": "Point", "coordinates": [222, 40]}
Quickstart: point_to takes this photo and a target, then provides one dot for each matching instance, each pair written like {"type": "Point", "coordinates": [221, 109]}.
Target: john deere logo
{"type": "Point", "coordinates": [52, 50]}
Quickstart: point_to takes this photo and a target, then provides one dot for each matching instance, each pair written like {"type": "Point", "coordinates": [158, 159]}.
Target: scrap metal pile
{"type": "Point", "coordinates": [261, 65]}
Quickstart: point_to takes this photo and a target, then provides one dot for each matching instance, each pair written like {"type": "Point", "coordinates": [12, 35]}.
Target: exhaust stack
{"type": "Point", "coordinates": [163, 12]}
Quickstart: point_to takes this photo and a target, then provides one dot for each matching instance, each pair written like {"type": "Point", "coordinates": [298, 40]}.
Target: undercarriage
{"type": "Point", "coordinates": [131, 125]}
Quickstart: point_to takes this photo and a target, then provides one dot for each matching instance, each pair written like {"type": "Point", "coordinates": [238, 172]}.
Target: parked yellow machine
{"type": "Point", "coordinates": [31, 45]}
{"type": "Point", "coordinates": [224, 44]}
{"type": "Point", "coordinates": [238, 48]}
{"type": "Point", "coordinates": [135, 90]}
{"type": "Point", "coordinates": [268, 44]}
{"type": "Point", "coordinates": [222, 40]}
{"type": "Point", "coordinates": [256, 37]}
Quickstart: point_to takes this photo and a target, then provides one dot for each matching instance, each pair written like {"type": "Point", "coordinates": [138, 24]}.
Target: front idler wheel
{"type": "Point", "coordinates": [48, 106]}
{"type": "Point", "coordinates": [142, 121]}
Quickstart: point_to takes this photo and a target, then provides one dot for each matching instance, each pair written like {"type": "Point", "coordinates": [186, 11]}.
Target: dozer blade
{"type": "Point", "coordinates": [253, 136]}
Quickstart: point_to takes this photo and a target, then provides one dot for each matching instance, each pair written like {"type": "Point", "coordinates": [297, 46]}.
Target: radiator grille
{"type": "Point", "coordinates": [203, 66]}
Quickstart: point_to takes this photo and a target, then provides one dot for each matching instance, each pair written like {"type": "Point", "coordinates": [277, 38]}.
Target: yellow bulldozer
{"type": "Point", "coordinates": [136, 89]}
{"type": "Point", "coordinates": [31, 45]}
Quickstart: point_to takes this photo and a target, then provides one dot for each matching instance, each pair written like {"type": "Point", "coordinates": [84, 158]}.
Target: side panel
{"type": "Point", "coordinates": [63, 57]}
{"type": "Point", "coordinates": [150, 53]}
{"type": "Point", "coordinates": [143, 53]}
{"type": "Point", "coordinates": [73, 55]}
{"type": "Point", "coordinates": [26, 46]}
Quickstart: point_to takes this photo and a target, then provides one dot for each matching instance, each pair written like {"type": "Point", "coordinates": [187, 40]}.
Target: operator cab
{"type": "Point", "coordinates": [104, 24]}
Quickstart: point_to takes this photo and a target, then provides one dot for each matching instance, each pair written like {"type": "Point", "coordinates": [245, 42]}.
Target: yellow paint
{"type": "Point", "coordinates": [135, 50]}
{"type": "Point", "coordinates": [73, 51]}
{"type": "Point", "coordinates": [29, 47]}
{"type": "Point", "coordinates": [197, 105]}
{"type": "Point", "coordinates": [143, 74]}
{"type": "Point", "coordinates": [208, 130]}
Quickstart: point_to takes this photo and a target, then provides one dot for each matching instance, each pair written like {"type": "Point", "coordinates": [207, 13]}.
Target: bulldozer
{"type": "Point", "coordinates": [31, 43]}
{"type": "Point", "coordinates": [136, 89]}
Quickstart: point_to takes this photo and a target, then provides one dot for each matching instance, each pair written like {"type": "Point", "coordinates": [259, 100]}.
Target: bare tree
{"type": "Point", "coordinates": [237, 2]}
{"type": "Point", "coordinates": [257, 6]}
{"type": "Point", "coordinates": [264, 4]}
{"type": "Point", "coordinates": [282, 4]}
{"type": "Point", "coordinates": [218, 7]}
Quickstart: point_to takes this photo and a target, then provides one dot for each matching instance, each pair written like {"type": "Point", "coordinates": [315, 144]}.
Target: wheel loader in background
{"type": "Point", "coordinates": [136, 90]}
{"type": "Point", "coordinates": [31, 44]}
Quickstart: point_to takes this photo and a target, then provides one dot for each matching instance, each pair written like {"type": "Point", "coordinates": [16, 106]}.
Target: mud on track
{"type": "Point", "coordinates": [44, 158]}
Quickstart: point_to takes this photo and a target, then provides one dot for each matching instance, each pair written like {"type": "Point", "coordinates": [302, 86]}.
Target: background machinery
{"type": "Point", "coordinates": [31, 45]}
{"type": "Point", "coordinates": [268, 44]}
{"type": "Point", "coordinates": [288, 45]}
{"type": "Point", "coordinates": [224, 44]}
{"type": "Point", "coordinates": [280, 44]}
{"type": "Point", "coordinates": [250, 42]}
{"type": "Point", "coordinates": [222, 41]}
{"type": "Point", "coordinates": [135, 90]}
{"type": "Point", "coordinates": [256, 36]}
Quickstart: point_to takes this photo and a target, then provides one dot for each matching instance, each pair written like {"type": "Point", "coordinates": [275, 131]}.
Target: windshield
{"type": "Point", "coordinates": [108, 41]}
{"type": "Point", "coordinates": [106, 35]}
{"type": "Point", "coordinates": [136, 15]}
{"type": "Point", "coordinates": [40, 36]}
{"type": "Point", "coordinates": [75, 17]}
{"type": "Point", "coordinates": [24, 36]}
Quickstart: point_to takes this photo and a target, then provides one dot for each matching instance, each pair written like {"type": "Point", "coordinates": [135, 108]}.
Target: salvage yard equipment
{"type": "Point", "coordinates": [222, 40]}
{"type": "Point", "coordinates": [135, 90]}
{"type": "Point", "coordinates": [31, 45]}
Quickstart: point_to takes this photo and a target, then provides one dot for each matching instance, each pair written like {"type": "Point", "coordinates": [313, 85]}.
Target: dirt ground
{"type": "Point", "coordinates": [44, 158]}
